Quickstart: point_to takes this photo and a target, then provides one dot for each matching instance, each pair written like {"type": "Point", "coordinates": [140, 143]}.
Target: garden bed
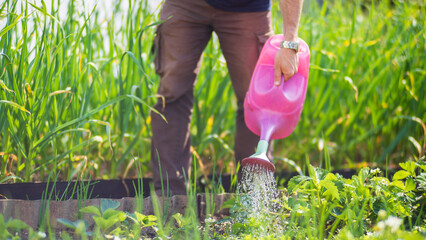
{"type": "Point", "coordinates": [365, 204]}
{"type": "Point", "coordinates": [115, 189]}
{"type": "Point", "coordinates": [34, 212]}
{"type": "Point", "coordinates": [29, 201]}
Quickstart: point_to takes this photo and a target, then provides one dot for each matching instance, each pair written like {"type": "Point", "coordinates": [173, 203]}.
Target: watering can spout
{"type": "Point", "coordinates": [259, 158]}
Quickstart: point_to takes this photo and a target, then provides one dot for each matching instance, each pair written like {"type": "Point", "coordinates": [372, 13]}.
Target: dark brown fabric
{"type": "Point", "coordinates": [179, 44]}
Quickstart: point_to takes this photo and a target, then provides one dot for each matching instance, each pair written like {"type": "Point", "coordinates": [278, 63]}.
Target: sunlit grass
{"type": "Point", "coordinates": [367, 80]}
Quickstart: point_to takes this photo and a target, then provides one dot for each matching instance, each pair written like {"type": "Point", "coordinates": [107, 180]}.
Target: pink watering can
{"type": "Point", "coordinates": [273, 112]}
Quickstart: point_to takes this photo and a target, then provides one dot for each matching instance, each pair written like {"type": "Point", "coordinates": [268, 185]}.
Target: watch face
{"type": "Point", "coordinates": [291, 45]}
{"type": "Point", "coordinates": [294, 45]}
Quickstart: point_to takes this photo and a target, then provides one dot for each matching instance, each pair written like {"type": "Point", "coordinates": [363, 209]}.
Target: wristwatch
{"type": "Point", "coordinates": [290, 45]}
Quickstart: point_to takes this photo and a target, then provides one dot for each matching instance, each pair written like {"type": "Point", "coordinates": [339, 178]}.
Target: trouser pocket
{"type": "Point", "coordinates": [262, 38]}
{"type": "Point", "coordinates": [156, 50]}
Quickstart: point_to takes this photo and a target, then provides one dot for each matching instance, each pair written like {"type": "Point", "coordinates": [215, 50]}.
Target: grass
{"type": "Point", "coordinates": [363, 79]}
{"type": "Point", "coordinates": [76, 90]}
{"type": "Point", "coordinates": [78, 105]}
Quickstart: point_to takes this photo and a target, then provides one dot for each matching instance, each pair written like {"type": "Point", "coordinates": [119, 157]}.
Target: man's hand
{"type": "Point", "coordinates": [286, 62]}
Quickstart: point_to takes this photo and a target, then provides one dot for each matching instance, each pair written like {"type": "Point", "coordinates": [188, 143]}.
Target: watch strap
{"type": "Point", "coordinates": [290, 45]}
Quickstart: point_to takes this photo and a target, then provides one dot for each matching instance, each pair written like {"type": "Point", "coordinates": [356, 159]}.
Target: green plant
{"type": "Point", "coordinates": [111, 222]}
{"type": "Point", "coordinates": [80, 227]}
{"type": "Point", "coordinates": [10, 226]}
{"type": "Point", "coordinates": [58, 89]}
{"type": "Point", "coordinates": [141, 221]}
{"type": "Point", "coordinates": [105, 216]}
{"type": "Point", "coordinates": [324, 205]}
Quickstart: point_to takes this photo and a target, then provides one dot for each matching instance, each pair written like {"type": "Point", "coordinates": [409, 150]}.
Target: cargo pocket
{"type": "Point", "coordinates": [261, 40]}
{"type": "Point", "coordinates": [156, 50]}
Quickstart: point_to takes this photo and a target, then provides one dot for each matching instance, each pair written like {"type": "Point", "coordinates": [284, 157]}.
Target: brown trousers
{"type": "Point", "coordinates": [180, 42]}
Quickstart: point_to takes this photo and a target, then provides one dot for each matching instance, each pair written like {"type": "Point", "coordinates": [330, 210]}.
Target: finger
{"type": "Point", "coordinates": [277, 77]}
{"type": "Point", "coordinates": [290, 74]}
{"type": "Point", "coordinates": [287, 76]}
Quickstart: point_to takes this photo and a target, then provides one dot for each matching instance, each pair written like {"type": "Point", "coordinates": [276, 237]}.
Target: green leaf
{"type": "Point", "coordinates": [11, 177]}
{"type": "Point", "coordinates": [330, 176]}
{"type": "Point", "coordinates": [416, 144]}
{"type": "Point", "coordinates": [321, 173]}
{"type": "Point", "coordinates": [409, 166]}
{"type": "Point", "coordinates": [144, 220]}
{"type": "Point", "coordinates": [402, 208]}
{"type": "Point", "coordinates": [228, 203]}
{"type": "Point", "coordinates": [410, 185]}
{"type": "Point", "coordinates": [110, 213]}
{"type": "Point", "coordinates": [109, 204]}
{"type": "Point", "coordinates": [148, 106]}
{"type": "Point", "coordinates": [132, 216]}
{"type": "Point", "coordinates": [151, 218]}
{"type": "Point", "coordinates": [132, 56]}
{"type": "Point", "coordinates": [331, 191]}
{"type": "Point", "coordinates": [237, 228]}
{"type": "Point", "coordinates": [43, 10]}
{"type": "Point", "coordinates": [91, 210]}
{"type": "Point", "coordinates": [313, 173]}
{"type": "Point", "coordinates": [16, 224]}
{"type": "Point", "coordinates": [363, 175]}
{"type": "Point", "coordinates": [139, 216]}
{"type": "Point", "coordinates": [121, 216]}
{"type": "Point", "coordinates": [106, 223]}
{"type": "Point", "coordinates": [15, 105]}
{"type": "Point", "coordinates": [401, 174]}
{"type": "Point", "coordinates": [179, 219]}
{"type": "Point", "coordinates": [398, 184]}
{"type": "Point", "coordinates": [422, 166]}
{"type": "Point", "coordinates": [67, 223]}
{"type": "Point", "coordinates": [77, 120]}
{"type": "Point", "coordinates": [4, 87]}
{"type": "Point", "coordinates": [10, 25]}
{"type": "Point", "coordinates": [81, 227]}
{"type": "Point", "coordinates": [296, 182]}
{"type": "Point", "coordinates": [421, 180]}
{"type": "Point", "coordinates": [378, 204]}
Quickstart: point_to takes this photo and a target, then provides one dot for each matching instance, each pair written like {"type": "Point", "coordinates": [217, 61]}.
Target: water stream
{"type": "Point", "coordinates": [259, 197]}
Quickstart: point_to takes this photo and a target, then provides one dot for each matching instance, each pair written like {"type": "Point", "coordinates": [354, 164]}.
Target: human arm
{"type": "Point", "coordinates": [286, 60]}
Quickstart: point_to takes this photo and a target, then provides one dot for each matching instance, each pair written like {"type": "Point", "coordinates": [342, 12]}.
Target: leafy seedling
{"type": "Point", "coordinates": [10, 226]}
{"type": "Point", "coordinates": [106, 216]}
{"type": "Point", "coordinates": [80, 227]}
